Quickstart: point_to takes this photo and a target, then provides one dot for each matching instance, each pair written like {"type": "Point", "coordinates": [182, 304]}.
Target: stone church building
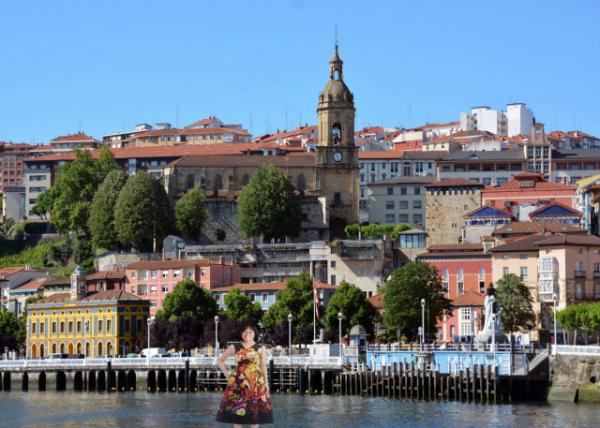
{"type": "Point", "coordinates": [326, 180]}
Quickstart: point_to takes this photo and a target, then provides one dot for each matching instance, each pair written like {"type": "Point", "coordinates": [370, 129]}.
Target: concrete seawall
{"type": "Point", "coordinates": [574, 378]}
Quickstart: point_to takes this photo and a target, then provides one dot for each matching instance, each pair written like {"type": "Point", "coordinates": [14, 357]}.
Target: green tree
{"type": "Point", "coordinates": [142, 212]}
{"type": "Point", "coordinates": [239, 307]}
{"type": "Point", "coordinates": [188, 299]}
{"type": "Point", "coordinates": [569, 319]}
{"type": "Point", "coordinates": [12, 330]}
{"type": "Point", "coordinates": [402, 299]}
{"type": "Point", "coordinates": [43, 204]}
{"type": "Point", "coordinates": [296, 299]}
{"type": "Point", "coordinates": [7, 228]}
{"type": "Point", "coordinates": [268, 206]}
{"type": "Point", "coordinates": [75, 186]}
{"type": "Point", "coordinates": [514, 298]}
{"type": "Point", "coordinates": [102, 219]}
{"type": "Point", "coordinates": [190, 213]}
{"type": "Point", "coordinates": [355, 308]}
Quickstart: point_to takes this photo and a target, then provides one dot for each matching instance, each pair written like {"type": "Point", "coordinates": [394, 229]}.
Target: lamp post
{"type": "Point", "coordinates": [340, 317]}
{"type": "Point", "coordinates": [84, 332]}
{"type": "Point", "coordinates": [554, 301]}
{"type": "Point", "coordinates": [422, 323]}
{"type": "Point", "coordinates": [27, 339]}
{"type": "Point", "coordinates": [289, 334]}
{"type": "Point", "coordinates": [149, 322]}
{"type": "Point", "coordinates": [216, 335]}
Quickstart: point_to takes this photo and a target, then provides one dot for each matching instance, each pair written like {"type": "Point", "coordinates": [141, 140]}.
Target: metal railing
{"type": "Point", "coordinates": [580, 274]}
{"type": "Point", "coordinates": [575, 350]}
{"type": "Point", "coordinates": [430, 347]}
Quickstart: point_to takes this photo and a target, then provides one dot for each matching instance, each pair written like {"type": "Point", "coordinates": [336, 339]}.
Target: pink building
{"type": "Point", "coordinates": [154, 280]}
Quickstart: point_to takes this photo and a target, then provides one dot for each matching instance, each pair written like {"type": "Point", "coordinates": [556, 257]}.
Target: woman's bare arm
{"type": "Point", "coordinates": [221, 360]}
{"type": "Point", "coordinates": [263, 365]}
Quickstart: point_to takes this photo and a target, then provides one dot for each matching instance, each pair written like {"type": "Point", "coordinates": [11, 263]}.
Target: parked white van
{"type": "Point", "coordinates": [154, 353]}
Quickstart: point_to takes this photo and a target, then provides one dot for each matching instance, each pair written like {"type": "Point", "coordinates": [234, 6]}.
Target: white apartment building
{"type": "Point", "coordinates": [516, 120]}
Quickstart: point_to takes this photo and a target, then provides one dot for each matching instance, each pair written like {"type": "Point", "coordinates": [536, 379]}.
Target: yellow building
{"type": "Point", "coordinates": [95, 324]}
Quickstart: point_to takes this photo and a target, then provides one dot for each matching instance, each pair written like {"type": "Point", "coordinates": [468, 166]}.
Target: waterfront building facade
{"type": "Point", "coordinates": [94, 324]}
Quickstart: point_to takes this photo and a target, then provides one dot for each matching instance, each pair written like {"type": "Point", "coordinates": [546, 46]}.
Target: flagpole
{"type": "Point", "coordinates": [314, 317]}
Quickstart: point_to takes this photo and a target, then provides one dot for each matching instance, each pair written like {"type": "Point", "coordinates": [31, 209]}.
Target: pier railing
{"type": "Point", "coordinates": [575, 350]}
{"type": "Point", "coordinates": [430, 347]}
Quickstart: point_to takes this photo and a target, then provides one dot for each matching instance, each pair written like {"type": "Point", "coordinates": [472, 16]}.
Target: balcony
{"type": "Point", "coordinates": [597, 274]}
{"type": "Point", "coordinates": [579, 274]}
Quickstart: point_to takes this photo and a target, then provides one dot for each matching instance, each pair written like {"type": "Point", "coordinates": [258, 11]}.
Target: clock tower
{"type": "Point", "coordinates": [337, 156]}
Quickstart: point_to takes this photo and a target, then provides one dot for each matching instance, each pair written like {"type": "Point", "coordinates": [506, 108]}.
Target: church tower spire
{"type": "Point", "coordinates": [337, 155]}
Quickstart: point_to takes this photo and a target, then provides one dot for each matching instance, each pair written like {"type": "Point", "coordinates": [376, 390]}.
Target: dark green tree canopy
{"type": "Point", "coordinates": [101, 221]}
{"type": "Point", "coordinates": [295, 299]}
{"type": "Point", "coordinates": [12, 330]}
{"type": "Point", "coordinates": [188, 299]}
{"type": "Point", "coordinates": [142, 212]}
{"type": "Point", "coordinates": [354, 306]}
{"type": "Point", "coordinates": [402, 299]}
{"type": "Point", "coordinates": [239, 307]}
{"type": "Point", "coordinates": [190, 213]}
{"type": "Point", "coordinates": [514, 298]}
{"type": "Point", "coordinates": [76, 183]}
{"type": "Point", "coordinates": [268, 206]}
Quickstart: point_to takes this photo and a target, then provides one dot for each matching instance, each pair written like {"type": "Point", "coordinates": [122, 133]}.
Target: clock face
{"type": "Point", "coordinates": [337, 156]}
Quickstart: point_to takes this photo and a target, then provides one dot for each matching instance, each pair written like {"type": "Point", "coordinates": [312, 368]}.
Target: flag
{"type": "Point", "coordinates": [316, 302]}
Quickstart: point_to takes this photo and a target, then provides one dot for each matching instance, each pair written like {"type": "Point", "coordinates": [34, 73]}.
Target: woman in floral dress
{"type": "Point", "coordinates": [246, 399]}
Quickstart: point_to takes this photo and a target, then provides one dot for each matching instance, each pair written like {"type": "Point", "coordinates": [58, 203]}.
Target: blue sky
{"type": "Point", "coordinates": [105, 66]}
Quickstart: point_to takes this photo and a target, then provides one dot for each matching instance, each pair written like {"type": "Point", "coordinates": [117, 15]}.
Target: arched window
{"type": "Point", "coordinates": [42, 351]}
{"type": "Point", "coordinates": [218, 183]}
{"type": "Point", "coordinates": [336, 133]}
{"type": "Point", "coordinates": [301, 182]}
{"type": "Point", "coordinates": [245, 180]}
{"type": "Point", "coordinates": [54, 348]}
{"type": "Point", "coordinates": [190, 182]}
{"type": "Point", "coordinates": [62, 348]}
{"type": "Point", "coordinates": [100, 349]}
{"type": "Point", "coordinates": [109, 348]}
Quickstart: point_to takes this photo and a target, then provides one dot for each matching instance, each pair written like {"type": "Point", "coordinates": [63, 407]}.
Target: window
{"type": "Point", "coordinates": [417, 218]}
{"type": "Point", "coordinates": [53, 328]}
{"type": "Point", "coordinates": [265, 297]}
{"type": "Point", "coordinates": [165, 289]}
{"type": "Point", "coordinates": [70, 326]}
{"type": "Point", "coordinates": [153, 274]}
{"type": "Point", "coordinates": [252, 297]}
{"type": "Point", "coordinates": [332, 264]}
{"type": "Point", "coordinates": [373, 167]}
{"type": "Point", "coordinates": [202, 272]}
{"type": "Point", "coordinates": [390, 190]}
{"type": "Point", "coordinates": [481, 279]}
{"type": "Point", "coordinates": [362, 178]}
{"type": "Point", "coordinates": [302, 182]}
{"type": "Point", "coordinates": [165, 273]}
{"type": "Point", "coordinates": [133, 275]}
{"type": "Point", "coordinates": [108, 325]}
{"type": "Point", "coordinates": [33, 327]}
{"type": "Point", "coordinates": [445, 278]}
{"type": "Point", "coordinates": [337, 198]}
{"type": "Point", "coordinates": [460, 280]}
{"type": "Point", "coordinates": [177, 273]}
{"type": "Point", "coordinates": [403, 191]}
{"type": "Point", "coordinates": [333, 280]}
{"type": "Point", "coordinates": [100, 325]}
{"type": "Point", "coordinates": [418, 167]}
{"type": "Point", "coordinates": [41, 327]}
{"type": "Point", "coordinates": [505, 271]}
{"type": "Point", "coordinates": [417, 204]}
{"type": "Point", "coordinates": [189, 273]}
{"type": "Point", "coordinates": [403, 218]}
{"type": "Point", "coordinates": [402, 205]}
{"type": "Point", "coordinates": [466, 325]}
{"type": "Point", "coordinates": [412, 241]}
{"type": "Point", "coordinates": [523, 271]}
{"type": "Point", "coordinates": [390, 218]}
{"type": "Point", "coordinates": [523, 256]}
{"type": "Point", "coordinates": [390, 205]}
{"type": "Point", "coordinates": [127, 325]}
{"type": "Point", "coordinates": [153, 288]}
{"type": "Point", "coordinates": [417, 190]}
{"type": "Point", "coordinates": [372, 178]}
{"type": "Point", "coordinates": [62, 327]}
{"type": "Point", "coordinates": [596, 267]}
{"type": "Point", "coordinates": [597, 291]}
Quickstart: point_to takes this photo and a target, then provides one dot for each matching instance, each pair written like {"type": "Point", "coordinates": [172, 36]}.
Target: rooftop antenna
{"type": "Point", "coordinates": [286, 121]}
{"type": "Point", "coordinates": [336, 34]}
{"type": "Point", "coordinates": [79, 126]}
{"type": "Point", "coordinates": [250, 123]}
{"type": "Point", "coordinates": [300, 120]}
{"type": "Point", "coordinates": [177, 118]}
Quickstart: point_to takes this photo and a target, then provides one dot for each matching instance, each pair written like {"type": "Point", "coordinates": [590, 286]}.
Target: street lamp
{"type": "Point", "coordinates": [216, 335]}
{"type": "Point", "coordinates": [340, 316]}
{"type": "Point", "coordinates": [289, 334]}
{"type": "Point", "coordinates": [150, 321]}
{"type": "Point", "coordinates": [422, 323]}
{"type": "Point", "coordinates": [85, 327]}
{"type": "Point", "coordinates": [27, 339]}
{"type": "Point", "coordinates": [554, 301]}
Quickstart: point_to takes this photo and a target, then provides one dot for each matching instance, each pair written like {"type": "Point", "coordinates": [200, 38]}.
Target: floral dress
{"type": "Point", "coordinates": [246, 399]}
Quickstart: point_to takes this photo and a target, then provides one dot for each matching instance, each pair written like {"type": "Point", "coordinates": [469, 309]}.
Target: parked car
{"type": "Point", "coordinates": [177, 354]}
{"type": "Point", "coordinates": [154, 353]}
{"type": "Point", "coordinates": [133, 355]}
{"type": "Point", "coordinates": [76, 356]}
{"type": "Point", "coordinates": [58, 356]}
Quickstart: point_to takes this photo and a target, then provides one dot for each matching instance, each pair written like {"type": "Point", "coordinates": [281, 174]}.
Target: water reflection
{"type": "Point", "coordinates": [143, 410]}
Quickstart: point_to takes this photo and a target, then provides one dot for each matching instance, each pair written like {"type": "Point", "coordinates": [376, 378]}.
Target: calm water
{"type": "Point", "coordinates": [35, 409]}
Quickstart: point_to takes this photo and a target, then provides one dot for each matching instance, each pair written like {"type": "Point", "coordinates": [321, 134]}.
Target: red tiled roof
{"type": "Point", "coordinates": [34, 284]}
{"type": "Point", "coordinates": [530, 227]}
{"type": "Point", "coordinates": [525, 243]}
{"type": "Point", "coordinates": [563, 239]}
{"type": "Point", "coordinates": [454, 182]}
{"type": "Point", "coordinates": [468, 299]}
{"type": "Point", "coordinates": [303, 130]}
{"type": "Point", "coordinates": [377, 300]}
{"type": "Point", "coordinates": [109, 295]}
{"type": "Point", "coordinates": [438, 125]}
{"type": "Point", "coordinates": [455, 247]}
{"type": "Point", "coordinates": [204, 122]}
{"type": "Point", "coordinates": [79, 136]}
{"type": "Point", "coordinates": [110, 274]}
{"type": "Point", "coordinates": [539, 184]}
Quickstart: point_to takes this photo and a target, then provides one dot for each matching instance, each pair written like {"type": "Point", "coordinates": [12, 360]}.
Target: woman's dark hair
{"type": "Point", "coordinates": [249, 325]}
